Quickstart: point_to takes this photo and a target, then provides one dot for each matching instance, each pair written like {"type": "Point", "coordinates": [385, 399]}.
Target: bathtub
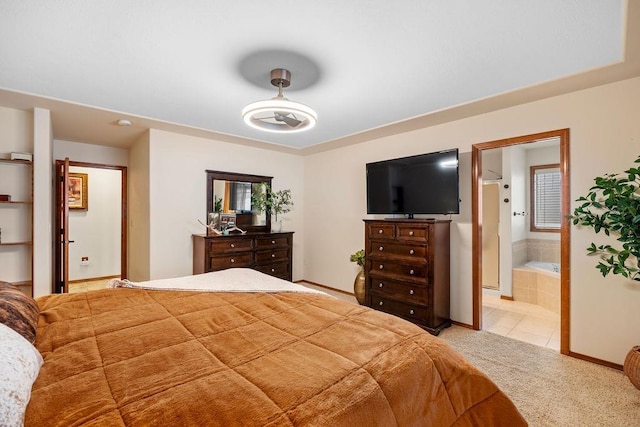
{"type": "Point", "coordinates": [549, 267]}
{"type": "Point", "coordinates": [537, 283]}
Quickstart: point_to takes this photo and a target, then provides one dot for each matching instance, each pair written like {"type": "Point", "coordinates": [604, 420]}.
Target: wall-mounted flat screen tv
{"type": "Point", "coordinates": [422, 184]}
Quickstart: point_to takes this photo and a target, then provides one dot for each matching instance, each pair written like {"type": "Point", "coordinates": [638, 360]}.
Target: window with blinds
{"type": "Point", "coordinates": [546, 198]}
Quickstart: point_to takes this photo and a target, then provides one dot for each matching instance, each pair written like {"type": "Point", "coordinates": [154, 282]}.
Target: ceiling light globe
{"type": "Point", "coordinates": [268, 115]}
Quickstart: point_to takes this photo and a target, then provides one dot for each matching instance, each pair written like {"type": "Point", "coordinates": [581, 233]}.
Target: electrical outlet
{"type": "Point", "coordinates": [84, 260]}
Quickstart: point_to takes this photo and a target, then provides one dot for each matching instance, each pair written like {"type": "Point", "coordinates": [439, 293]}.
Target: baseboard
{"type": "Point", "coordinates": [464, 325]}
{"type": "Point", "coordinates": [594, 360]}
{"type": "Point", "coordinates": [91, 279]}
{"type": "Point", "coordinates": [326, 287]}
{"type": "Point", "coordinates": [508, 298]}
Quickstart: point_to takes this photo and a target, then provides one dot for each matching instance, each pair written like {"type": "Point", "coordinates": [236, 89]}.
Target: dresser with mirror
{"type": "Point", "coordinates": [250, 244]}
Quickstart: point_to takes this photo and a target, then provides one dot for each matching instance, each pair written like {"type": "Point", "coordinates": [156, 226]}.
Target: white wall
{"type": "Point", "coordinates": [42, 202]}
{"type": "Point", "coordinates": [90, 153]}
{"type": "Point", "coordinates": [604, 137]}
{"type": "Point", "coordinates": [177, 194]}
{"type": "Point", "coordinates": [139, 211]}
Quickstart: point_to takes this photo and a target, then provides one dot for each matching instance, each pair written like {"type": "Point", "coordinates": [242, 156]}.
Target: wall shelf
{"type": "Point", "coordinates": [16, 162]}
{"type": "Point", "coordinates": [15, 202]}
{"type": "Point", "coordinates": [14, 243]}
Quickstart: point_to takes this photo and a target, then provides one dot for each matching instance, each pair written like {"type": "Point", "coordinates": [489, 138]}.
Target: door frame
{"type": "Point", "coordinates": [476, 199]}
{"type": "Point", "coordinates": [58, 220]}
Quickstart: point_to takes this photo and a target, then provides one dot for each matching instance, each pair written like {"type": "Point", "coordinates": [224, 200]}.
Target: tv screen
{"type": "Point", "coordinates": [422, 184]}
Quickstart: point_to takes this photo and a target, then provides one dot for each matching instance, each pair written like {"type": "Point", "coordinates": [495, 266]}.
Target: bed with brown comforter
{"type": "Point", "coordinates": [137, 357]}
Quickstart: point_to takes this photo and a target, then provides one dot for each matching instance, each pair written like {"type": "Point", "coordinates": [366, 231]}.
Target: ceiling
{"type": "Point", "coordinates": [368, 67]}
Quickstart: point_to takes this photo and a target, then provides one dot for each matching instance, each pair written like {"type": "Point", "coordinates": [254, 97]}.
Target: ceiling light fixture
{"type": "Point", "coordinates": [124, 122]}
{"type": "Point", "coordinates": [279, 114]}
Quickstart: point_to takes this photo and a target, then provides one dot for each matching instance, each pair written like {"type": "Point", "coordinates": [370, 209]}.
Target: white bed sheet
{"type": "Point", "coordinates": [230, 280]}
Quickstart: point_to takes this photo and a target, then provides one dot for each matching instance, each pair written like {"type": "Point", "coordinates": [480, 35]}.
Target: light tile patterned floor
{"type": "Point", "coordinates": [521, 321]}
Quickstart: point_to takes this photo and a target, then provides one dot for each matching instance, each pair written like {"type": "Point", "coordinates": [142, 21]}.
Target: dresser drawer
{"type": "Point", "coordinates": [271, 242]}
{"type": "Point", "coordinates": [413, 233]}
{"type": "Point", "coordinates": [384, 249]}
{"type": "Point", "coordinates": [275, 255]}
{"type": "Point", "coordinates": [231, 260]}
{"type": "Point", "coordinates": [279, 270]}
{"type": "Point", "coordinates": [381, 231]}
{"type": "Point", "coordinates": [387, 268]}
{"type": "Point", "coordinates": [408, 292]}
{"type": "Point", "coordinates": [229, 245]}
{"type": "Point", "coordinates": [408, 311]}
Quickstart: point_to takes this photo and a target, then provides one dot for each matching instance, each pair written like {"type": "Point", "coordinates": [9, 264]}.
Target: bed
{"type": "Point", "coordinates": [198, 351]}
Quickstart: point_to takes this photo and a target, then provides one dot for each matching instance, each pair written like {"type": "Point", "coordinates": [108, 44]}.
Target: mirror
{"type": "Point", "coordinates": [230, 193]}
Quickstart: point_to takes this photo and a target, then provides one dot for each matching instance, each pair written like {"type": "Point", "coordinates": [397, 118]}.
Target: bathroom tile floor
{"type": "Point", "coordinates": [521, 321]}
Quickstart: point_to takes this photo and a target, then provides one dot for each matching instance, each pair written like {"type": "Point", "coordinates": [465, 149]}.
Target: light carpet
{"type": "Point", "coordinates": [548, 388]}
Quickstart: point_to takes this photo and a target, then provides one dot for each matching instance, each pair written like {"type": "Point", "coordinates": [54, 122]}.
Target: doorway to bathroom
{"type": "Point", "coordinates": [505, 238]}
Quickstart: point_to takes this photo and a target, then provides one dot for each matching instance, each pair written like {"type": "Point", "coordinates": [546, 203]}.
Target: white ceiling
{"type": "Point", "coordinates": [363, 65]}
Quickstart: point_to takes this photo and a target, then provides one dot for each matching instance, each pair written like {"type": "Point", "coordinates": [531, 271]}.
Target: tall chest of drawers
{"type": "Point", "coordinates": [407, 270]}
{"type": "Point", "coordinates": [270, 253]}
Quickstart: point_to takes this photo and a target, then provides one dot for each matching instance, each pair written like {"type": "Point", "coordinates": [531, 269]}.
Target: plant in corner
{"type": "Point", "coordinates": [612, 205]}
{"type": "Point", "coordinates": [274, 202]}
{"type": "Point", "coordinates": [359, 283]}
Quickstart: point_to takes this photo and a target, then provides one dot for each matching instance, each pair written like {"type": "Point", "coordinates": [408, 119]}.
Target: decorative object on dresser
{"type": "Point", "coordinates": [274, 202]}
{"type": "Point", "coordinates": [407, 270]}
{"type": "Point", "coordinates": [359, 283]}
{"type": "Point", "coordinates": [269, 253]}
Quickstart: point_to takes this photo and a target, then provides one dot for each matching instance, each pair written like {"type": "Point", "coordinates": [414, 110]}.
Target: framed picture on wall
{"type": "Point", "coordinates": [78, 191]}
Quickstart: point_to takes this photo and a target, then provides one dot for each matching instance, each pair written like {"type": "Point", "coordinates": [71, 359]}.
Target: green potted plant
{"type": "Point", "coordinates": [612, 206]}
{"type": "Point", "coordinates": [274, 202]}
{"type": "Point", "coordinates": [359, 283]}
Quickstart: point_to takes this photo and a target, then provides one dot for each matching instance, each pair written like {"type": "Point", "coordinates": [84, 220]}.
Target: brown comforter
{"type": "Point", "coordinates": [135, 357]}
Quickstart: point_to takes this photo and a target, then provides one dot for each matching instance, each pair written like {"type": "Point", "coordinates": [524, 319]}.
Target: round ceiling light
{"type": "Point", "coordinates": [279, 114]}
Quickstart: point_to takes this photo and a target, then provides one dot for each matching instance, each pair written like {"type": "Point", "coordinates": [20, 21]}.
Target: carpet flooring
{"type": "Point", "coordinates": [550, 389]}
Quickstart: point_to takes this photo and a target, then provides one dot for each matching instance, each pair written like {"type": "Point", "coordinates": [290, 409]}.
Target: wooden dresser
{"type": "Point", "coordinates": [270, 253]}
{"type": "Point", "coordinates": [407, 270]}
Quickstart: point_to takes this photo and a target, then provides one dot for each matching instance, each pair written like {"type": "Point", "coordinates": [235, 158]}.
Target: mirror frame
{"type": "Point", "coordinates": [240, 177]}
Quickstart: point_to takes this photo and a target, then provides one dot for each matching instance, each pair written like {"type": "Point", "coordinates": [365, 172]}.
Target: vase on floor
{"type": "Point", "coordinates": [632, 366]}
{"type": "Point", "coordinates": [358, 287]}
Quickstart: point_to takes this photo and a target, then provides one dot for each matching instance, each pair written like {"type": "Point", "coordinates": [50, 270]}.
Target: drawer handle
{"type": "Point", "coordinates": [412, 272]}
{"type": "Point", "coordinates": [411, 233]}
{"type": "Point", "coordinates": [273, 255]}
{"type": "Point", "coordinates": [381, 303]}
{"type": "Point", "coordinates": [380, 285]}
{"type": "Point", "coordinates": [381, 248]}
{"type": "Point", "coordinates": [273, 242]}
{"type": "Point", "coordinates": [233, 260]}
{"type": "Point", "coordinates": [411, 311]}
{"type": "Point", "coordinates": [411, 252]}
{"type": "Point", "coordinates": [411, 292]}
{"type": "Point", "coordinates": [380, 231]}
{"type": "Point", "coordinates": [233, 246]}
{"type": "Point", "coordinates": [273, 270]}
{"type": "Point", "coordinates": [381, 266]}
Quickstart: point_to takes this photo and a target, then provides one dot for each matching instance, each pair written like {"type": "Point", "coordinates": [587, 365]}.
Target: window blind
{"type": "Point", "coordinates": [547, 198]}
